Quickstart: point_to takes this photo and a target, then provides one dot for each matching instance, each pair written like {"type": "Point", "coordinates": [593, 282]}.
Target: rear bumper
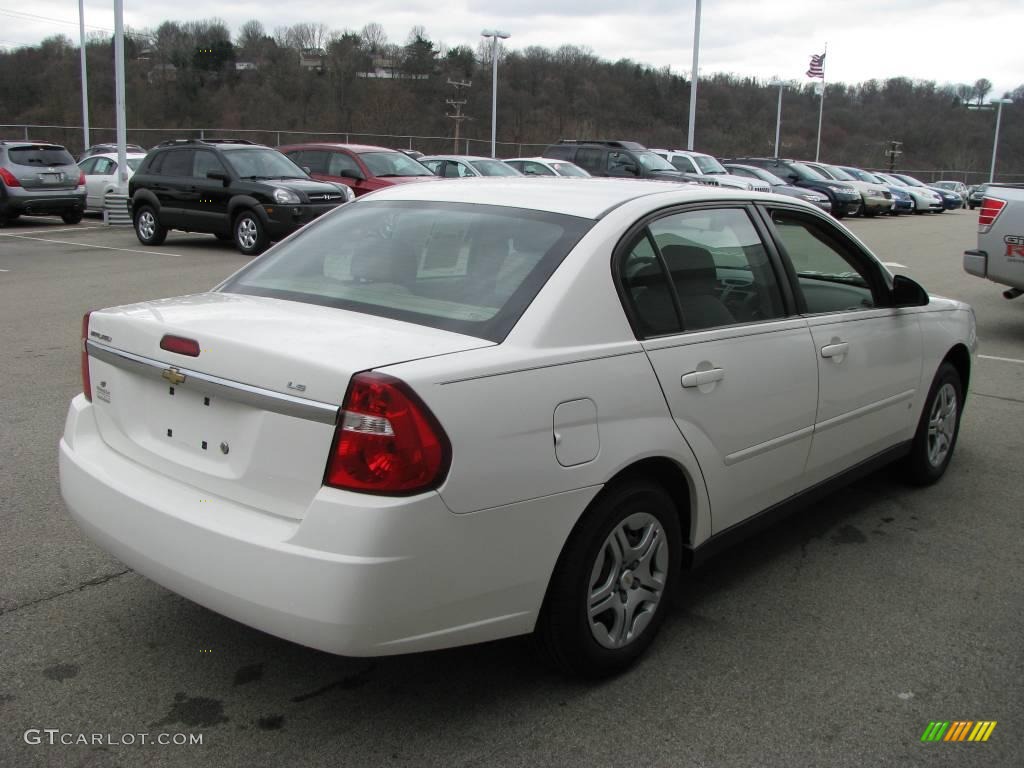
{"type": "Point", "coordinates": [358, 575]}
{"type": "Point", "coordinates": [282, 220]}
{"type": "Point", "coordinates": [42, 202]}
{"type": "Point", "coordinates": [976, 263]}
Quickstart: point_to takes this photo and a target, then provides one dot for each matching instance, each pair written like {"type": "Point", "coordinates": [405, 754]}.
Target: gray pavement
{"type": "Point", "coordinates": [831, 640]}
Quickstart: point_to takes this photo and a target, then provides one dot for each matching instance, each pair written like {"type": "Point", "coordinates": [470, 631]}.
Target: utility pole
{"type": "Point", "coordinates": [892, 153]}
{"type": "Point", "coordinates": [693, 79]}
{"type": "Point", "coordinates": [119, 108]}
{"type": "Point", "coordinates": [457, 104]}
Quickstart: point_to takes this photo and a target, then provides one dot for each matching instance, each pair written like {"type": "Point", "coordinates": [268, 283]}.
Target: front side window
{"type": "Point", "coordinates": [205, 161]}
{"type": "Point", "coordinates": [830, 276]}
{"type": "Point", "coordinates": [471, 269]}
{"type": "Point", "coordinates": [340, 162]}
{"type": "Point", "coordinates": [568, 169]}
{"type": "Point", "coordinates": [709, 266]}
{"type": "Point", "coordinates": [684, 164]}
{"type": "Point", "coordinates": [536, 169]}
{"type": "Point", "coordinates": [432, 165]}
{"type": "Point", "coordinates": [262, 163]}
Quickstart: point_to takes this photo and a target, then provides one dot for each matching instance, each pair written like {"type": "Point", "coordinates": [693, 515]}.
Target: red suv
{"type": "Point", "coordinates": [362, 167]}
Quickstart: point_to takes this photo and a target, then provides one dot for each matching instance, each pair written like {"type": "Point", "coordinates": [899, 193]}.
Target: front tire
{"type": "Point", "coordinates": [614, 581]}
{"type": "Point", "coordinates": [147, 226]}
{"type": "Point", "coordinates": [938, 428]}
{"type": "Point", "coordinates": [249, 234]}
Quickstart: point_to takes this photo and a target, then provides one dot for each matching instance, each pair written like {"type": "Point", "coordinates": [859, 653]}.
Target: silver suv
{"type": "Point", "coordinates": [39, 180]}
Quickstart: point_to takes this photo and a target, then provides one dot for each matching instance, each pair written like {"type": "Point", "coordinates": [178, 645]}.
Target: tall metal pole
{"type": "Point", "coordinates": [494, 95]}
{"type": "Point", "coordinates": [85, 77]}
{"type": "Point", "coordinates": [778, 123]}
{"type": "Point", "coordinates": [821, 106]}
{"type": "Point", "coordinates": [995, 144]}
{"type": "Point", "coordinates": [693, 78]}
{"type": "Point", "coordinates": [496, 34]}
{"type": "Point", "coordinates": [122, 131]}
{"type": "Point", "coordinates": [821, 111]}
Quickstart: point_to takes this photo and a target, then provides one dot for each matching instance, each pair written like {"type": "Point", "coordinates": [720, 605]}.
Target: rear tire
{"type": "Point", "coordinates": [614, 581]}
{"type": "Point", "coordinates": [937, 429]}
{"type": "Point", "coordinates": [249, 234]}
{"type": "Point", "coordinates": [147, 226]}
{"type": "Point", "coordinates": [74, 217]}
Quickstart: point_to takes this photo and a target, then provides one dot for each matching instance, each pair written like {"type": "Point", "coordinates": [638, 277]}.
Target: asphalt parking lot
{"type": "Point", "coordinates": [831, 640]}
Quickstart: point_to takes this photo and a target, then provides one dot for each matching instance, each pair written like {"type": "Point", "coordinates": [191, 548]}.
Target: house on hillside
{"type": "Point", "coordinates": [313, 59]}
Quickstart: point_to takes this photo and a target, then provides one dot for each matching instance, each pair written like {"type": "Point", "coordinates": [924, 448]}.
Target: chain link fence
{"type": "Point", "coordinates": [71, 136]}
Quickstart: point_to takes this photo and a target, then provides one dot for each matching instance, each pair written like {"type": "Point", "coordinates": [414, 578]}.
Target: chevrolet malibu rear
{"type": "Point", "coordinates": [270, 450]}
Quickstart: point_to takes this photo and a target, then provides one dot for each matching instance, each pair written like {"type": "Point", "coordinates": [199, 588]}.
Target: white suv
{"type": "Point", "coordinates": [707, 167]}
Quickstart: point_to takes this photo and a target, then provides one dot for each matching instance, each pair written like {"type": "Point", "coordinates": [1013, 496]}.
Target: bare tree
{"type": "Point", "coordinates": [250, 34]}
{"type": "Point", "coordinates": [981, 89]}
{"type": "Point", "coordinates": [374, 37]}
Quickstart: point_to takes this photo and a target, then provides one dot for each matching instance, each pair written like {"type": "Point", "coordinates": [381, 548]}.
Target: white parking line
{"type": "Point", "coordinates": [91, 245]}
{"type": "Point", "coordinates": [51, 231]}
{"type": "Point", "coordinates": [1002, 359]}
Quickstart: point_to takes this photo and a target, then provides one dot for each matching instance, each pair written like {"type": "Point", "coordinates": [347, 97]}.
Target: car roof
{"type": "Point", "coordinates": [113, 155]}
{"type": "Point", "coordinates": [356, 148]}
{"type": "Point", "coordinates": [589, 198]}
{"type": "Point", "coordinates": [460, 157]}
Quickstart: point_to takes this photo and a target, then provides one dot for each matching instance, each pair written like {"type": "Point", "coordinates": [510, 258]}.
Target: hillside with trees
{"type": "Point", "coordinates": [311, 79]}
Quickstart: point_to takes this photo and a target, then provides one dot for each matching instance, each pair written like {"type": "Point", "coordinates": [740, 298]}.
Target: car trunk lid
{"type": "Point", "coordinates": [250, 418]}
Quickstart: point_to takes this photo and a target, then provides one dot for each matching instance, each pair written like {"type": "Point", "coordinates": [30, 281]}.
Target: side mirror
{"type": "Point", "coordinates": [308, 171]}
{"type": "Point", "coordinates": [628, 168]}
{"type": "Point", "coordinates": [219, 176]}
{"type": "Point", "coordinates": [352, 173]}
{"type": "Point", "coordinates": [908, 293]}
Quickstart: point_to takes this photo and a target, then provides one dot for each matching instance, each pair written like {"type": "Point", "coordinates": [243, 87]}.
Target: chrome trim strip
{"type": "Point", "coordinates": [842, 418]}
{"type": "Point", "coordinates": [767, 445]}
{"type": "Point", "coordinates": [264, 399]}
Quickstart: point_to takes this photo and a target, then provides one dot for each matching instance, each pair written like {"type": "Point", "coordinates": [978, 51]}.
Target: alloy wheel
{"type": "Point", "coordinates": [942, 424]}
{"type": "Point", "coordinates": [247, 232]}
{"type": "Point", "coordinates": [147, 225]}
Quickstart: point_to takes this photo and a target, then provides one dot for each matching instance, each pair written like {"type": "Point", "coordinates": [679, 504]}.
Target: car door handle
{"type": "Point", "coordinates": [835, 350]}
{"type": "Point", "coordinates": [699, 378]}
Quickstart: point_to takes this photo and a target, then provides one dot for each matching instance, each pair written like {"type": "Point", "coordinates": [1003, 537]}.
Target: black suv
{"type": "Point", "coordinates": [845, 200]}
{"type": "Point", "coordinates": [621, 159]}
{"type": "Point", "coordinates": [231, 188]}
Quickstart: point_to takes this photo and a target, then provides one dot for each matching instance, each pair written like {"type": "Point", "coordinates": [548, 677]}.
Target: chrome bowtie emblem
{"type": "Point", "coordinates": [173, 375]}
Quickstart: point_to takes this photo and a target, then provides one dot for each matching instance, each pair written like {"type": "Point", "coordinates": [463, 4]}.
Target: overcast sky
{"type": "Point", "coordinates": [943, 40]}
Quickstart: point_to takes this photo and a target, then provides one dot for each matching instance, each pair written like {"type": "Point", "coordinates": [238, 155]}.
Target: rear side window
{"type": "Point", "coordinates": [178, 162]}
{"type": "Point", "coordinates": [590, 159]}
{"type": "Point", "coordinates": [471, 269]}
{"type": "Point", "coordinates": [37, 156]}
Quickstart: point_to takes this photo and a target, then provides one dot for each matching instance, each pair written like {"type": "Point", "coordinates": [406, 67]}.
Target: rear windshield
{"type": "Point", "coordinates": [494, 168]}
{"type": "Point", "coordinates": [40, 156]}
{"type": "Point", "coordinates": [568, 169]}
{"type": "Point", "coordinates": [393, 164]}
{"type": "Point", "coordinates": [471, 269]}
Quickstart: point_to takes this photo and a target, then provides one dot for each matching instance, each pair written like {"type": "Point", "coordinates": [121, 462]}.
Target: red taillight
{"type": "Point", "coordinates": [86, 383]}
{"type": "Point", "coordinates": [9, 178]}
{"type": "Point", "coordinates": [81, 178]}
{"type": "Point", "coordinates": [387, 440]}
{"type": "Point", "coordinates": [180, 345]}
{"type": "Point", "coordinates": [990, 210]}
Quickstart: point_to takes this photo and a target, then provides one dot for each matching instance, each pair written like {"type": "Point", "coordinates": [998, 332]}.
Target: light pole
{"type": "Point", "coordinates": [119, 108]}
{"type": "Point", "coordinates": [693, 78]}
{"type": "Point", "coordinates": [85, 79]}
{"type": "Point", "coordinates": [995, 144]}
{"type": "Point", "coordinates": [778, 115]}
{"type": "Point", "coordinates": [496, 34]}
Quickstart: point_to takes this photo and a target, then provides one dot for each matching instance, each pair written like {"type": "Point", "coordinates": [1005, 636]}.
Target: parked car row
{"type": "Point", "coordinates": [251, 194]}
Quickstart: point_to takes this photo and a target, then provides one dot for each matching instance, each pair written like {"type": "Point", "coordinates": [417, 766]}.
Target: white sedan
{"type": "Point", "coordinates": [101, 176]}
{"type": "Point", "coordinates": [545, 166]}
{"type": "Point", "coordinates": [449, 413]}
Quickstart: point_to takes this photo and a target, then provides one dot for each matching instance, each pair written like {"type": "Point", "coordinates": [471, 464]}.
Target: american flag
{"type": "Point", "coordinates": [817, 68]}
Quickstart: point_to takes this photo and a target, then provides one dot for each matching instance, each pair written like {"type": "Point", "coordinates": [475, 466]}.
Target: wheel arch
{"type": "Point", "coordinates": [144, 197]}
{"type": "Point", "coordinates": [960, 358]}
